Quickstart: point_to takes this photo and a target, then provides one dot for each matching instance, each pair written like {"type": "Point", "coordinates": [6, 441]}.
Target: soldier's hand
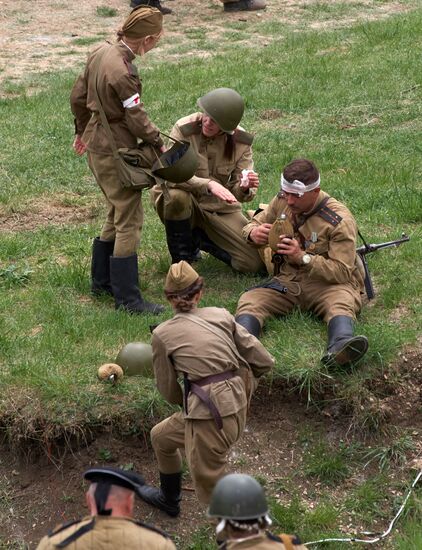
{"type": "Point", "coordinates": [259, 234]}
{"type": "Point", "coordinates": [221, 192]}
{"type": "Point", "coordinates": [291, 248]}
{"type": "Point", "coordinates": [251, 181]}
{"type": "Point", "coordinates": [78, 145]}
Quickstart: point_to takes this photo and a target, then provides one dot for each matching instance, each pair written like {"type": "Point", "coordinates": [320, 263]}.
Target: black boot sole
{"type": "Point", "coordinates": [350, 354]}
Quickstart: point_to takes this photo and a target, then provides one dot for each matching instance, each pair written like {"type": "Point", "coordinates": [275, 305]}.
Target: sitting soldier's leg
{"type": "Point", "coordinates": [338, 305]}
{"type": "Point", "coordinates": [167, 438]}
{"type": "Point", "coordinates": [258, 304]}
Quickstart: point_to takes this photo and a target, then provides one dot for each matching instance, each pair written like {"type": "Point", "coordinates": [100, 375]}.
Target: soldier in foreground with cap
{"type": "Point", "coordinates": [320, 270]}
{"type": "Point", "coordinates": [205, 212]}
{"type": "Point", "coordinates": [110, 500]}
{"type": "Point", "coordinates": [219, 362]}
{"type": "Point", "coordinates": [111, 77]}
{"type": "Point", "coordinates": [239, 504]}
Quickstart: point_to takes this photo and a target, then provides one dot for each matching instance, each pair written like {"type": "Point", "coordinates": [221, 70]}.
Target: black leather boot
{"type": "Point", "coordinates": [343, 348]}
{"type": "Point", "coordinates": [152, 4]}
{"type": "Point", "coordinates": [100, 267]}
{"type": "Point", "coordinates": [167, 497]}
{"type": "Point", "coordinates": [180, 240]}
{"type": "Point", "coordinates": [125, 286]}
{"type": "Point", "coordinates": [207, 245]}
{"type": "Point", "coordinates": [250, 323]}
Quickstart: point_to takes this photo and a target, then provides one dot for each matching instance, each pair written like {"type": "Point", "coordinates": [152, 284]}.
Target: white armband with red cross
{"type": "Point", "coordinates": [132, 101]}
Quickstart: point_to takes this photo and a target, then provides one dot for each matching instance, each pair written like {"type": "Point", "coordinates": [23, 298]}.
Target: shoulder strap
{"type": "Point", "coordinates": [329, 215]}
{"type": "Point", "coordinates": [62, 526]}
{"type": "Point", "coordinates": [151, 528]}
{"type": "Point", "coordinates": [78, 533]}
{"type": "Point", "coordinates": [104, 120]}
{"type": "Point", "coordinates": [287, 541]}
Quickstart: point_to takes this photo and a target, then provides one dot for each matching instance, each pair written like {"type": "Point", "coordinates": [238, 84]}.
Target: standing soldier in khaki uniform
{"type": "Point", "coordinates": [219, 362]}
{"type": "Point", "coordinates": [319, 270]}
{"type": "Point", "coordinates": [205, 212]}
{"type": "Point", "coordinates": [110, 499]}
{"type": "Point", "coordinates": [239, 503]}
{"type": "Point", "coordinates": [110, 70]}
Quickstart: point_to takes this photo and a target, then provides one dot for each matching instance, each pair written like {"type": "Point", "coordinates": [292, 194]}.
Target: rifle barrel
{"type": "Point", "coordinates": [368, 248]}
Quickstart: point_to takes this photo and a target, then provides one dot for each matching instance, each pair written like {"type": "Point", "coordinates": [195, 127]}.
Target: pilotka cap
{"type": "Point", "coordinates": [143, 21]}
{"type": "Point", "coordinates": [180, 276]}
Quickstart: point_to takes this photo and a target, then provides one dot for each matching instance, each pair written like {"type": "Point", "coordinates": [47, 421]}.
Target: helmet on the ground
{"type": "Point", "coordinates": [225, 106]}
{"type": "Point", "coordinates": [136, 358]}
{"type": "Point", "coordinates": [238, 496]}
{"type": "Point", "coordinates": [178, 164]}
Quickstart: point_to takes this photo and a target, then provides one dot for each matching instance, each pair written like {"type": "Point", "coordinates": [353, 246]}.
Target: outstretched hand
{"type": "Point", "coordinates": [221, 192]}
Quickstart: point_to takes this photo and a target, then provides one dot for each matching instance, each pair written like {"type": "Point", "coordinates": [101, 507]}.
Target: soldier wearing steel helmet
{"type": "Point", "coordinates": [219, 363]}
{"type": "Point", "coordinates": [110, 500]}
{"type": "Point", "coordinates": [111, 76]}
{"type": "Point", "coordinates": [238, 503]}
{"type": "Point", "coordinates": [205, 212]}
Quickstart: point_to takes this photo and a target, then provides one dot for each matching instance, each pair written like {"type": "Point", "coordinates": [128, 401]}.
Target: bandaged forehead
{"type": "Point", "coordinates": [297, 187]}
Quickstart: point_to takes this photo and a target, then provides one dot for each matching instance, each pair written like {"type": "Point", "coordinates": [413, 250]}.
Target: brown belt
{"type": "Point", "coordinates": [195, 387]}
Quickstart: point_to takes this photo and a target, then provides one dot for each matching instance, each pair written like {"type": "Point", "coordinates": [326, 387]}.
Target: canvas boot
{"type": "Point", "coordinates": [245, 5]}
{"type": "Point", "coordinates": [100, 267]}
{"type": "Point", "coordinates": [167, 497]}
{"type": "Point", "coordinates": [180, 241]}
{"type": "Point", "coordinates": [343, 348]}
{"type": "Point", "coordinates": [152, 4]}
{"type": "Point", "coordinates": [250, 323]}
{"type": "Point", "coordinates": [125, 285]}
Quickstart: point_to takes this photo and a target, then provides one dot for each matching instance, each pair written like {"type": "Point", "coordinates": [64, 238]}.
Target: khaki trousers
{"type": "Point", "coordinates": [206, 448]}
{"type": "Point", "coordinates": [324, 299]}
{"type": "Point", "coordinates": [125, 214]}
{"type": "Point", "coordinates": [224, 229]}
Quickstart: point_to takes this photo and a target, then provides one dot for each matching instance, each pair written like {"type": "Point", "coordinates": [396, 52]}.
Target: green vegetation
{"type": "Point", "coordinates": [106, 11]}
{"type": "Point", "coordinates": [349, 98]}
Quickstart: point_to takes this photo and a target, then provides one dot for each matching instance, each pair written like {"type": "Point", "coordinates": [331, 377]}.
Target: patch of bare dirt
{"type": "Point", "coordinates": [272, 448]}
{"type": "Point", "coordinates": [51, 35]}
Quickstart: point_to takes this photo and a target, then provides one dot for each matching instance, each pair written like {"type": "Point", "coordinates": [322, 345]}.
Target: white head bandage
{"type": "Point", "coordinates": [297, 186]}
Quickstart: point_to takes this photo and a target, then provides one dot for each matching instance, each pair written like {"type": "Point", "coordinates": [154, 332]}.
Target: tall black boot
{"type": "Point", "coordinates": [167, 497]}
{"type": "Point", "coordinates": [207, 245]}
{"type": "Point", "coordinates": [152, 4]}
{"type": "Point", "coordinates": [125, 285]}
{"type": "Point", "coordinates": [100, 267]}
{"type": "Point", "coordinates": [343, 348]}
{"type": "Point", "coordinates": [250, 323]}
{"type": "Point", "coordinates": [180, 241]}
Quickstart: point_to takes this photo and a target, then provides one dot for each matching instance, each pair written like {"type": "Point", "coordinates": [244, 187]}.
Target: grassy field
{"type": "Point", "coordinates": [350, 99]}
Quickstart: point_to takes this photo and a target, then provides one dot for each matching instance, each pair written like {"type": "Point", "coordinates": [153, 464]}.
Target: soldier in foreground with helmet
{"type": "Point", "coordinates": [205, 212]}
{"type": "Point", "coordinates": [239, 504]}
{"type": "Point", "coordinates": [320, 270]}
{"type": "Point", "coordinates": [111, 78]}
{"type": "Point", "coordinates": [110, 500]}
{"type": "Point", "coordinates": [219, 363]}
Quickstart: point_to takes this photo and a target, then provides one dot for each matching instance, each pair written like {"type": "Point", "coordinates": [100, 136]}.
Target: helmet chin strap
{"type": "Point", "coordinates": [101, 495]}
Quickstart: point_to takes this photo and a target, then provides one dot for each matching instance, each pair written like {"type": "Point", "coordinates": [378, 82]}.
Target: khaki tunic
{"type": "Point", "coordinates": [109, 533]}
{"type": "Point", "coordinates": [118, 81]}
{"type": "Point", "coordinates": [263, 541]}
{"type": "Point", "coordinates": [221, 221]}
{"type": "Point", "coordinates": [180, 345]}
{"type": "Point", "coordinates": [333, 281]}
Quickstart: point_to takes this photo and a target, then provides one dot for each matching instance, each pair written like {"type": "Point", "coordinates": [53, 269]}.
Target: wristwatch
{"type": "Point", "coordinates": [306, 259]}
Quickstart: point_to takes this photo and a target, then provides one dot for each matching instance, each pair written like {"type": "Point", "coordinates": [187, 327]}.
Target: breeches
{"type": "Point", "coordinates": [224, 229]}
{"type": "Point", "coordinates": [125, 214]}
{"type": "Point", "coordinates": [206, 448]}
{"type": "Point", "coordinates": [324, 299]}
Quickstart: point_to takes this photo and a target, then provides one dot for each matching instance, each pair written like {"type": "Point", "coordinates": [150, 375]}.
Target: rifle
{"type": "Point", "coordinates": [368, 249]}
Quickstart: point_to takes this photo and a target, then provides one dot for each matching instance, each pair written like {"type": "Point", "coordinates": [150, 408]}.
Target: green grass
{"type": "Point", "coordinates": [349, 98]}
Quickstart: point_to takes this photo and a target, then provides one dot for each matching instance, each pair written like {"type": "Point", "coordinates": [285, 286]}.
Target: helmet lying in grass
{"type": "Point", "coordinates": [136, 358]}
{"type": "Point", "coordinates": [110, 371]}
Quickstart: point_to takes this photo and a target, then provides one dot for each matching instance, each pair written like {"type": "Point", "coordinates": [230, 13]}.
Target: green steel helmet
{"type": "Point", "coordinates": [178, 164]}
{"type": "Point", "coordinates": [239, 497]}
{"type": "Point", "coordinates": [136, 358]}
{"type": "Point", "coordinates": [225, 106]}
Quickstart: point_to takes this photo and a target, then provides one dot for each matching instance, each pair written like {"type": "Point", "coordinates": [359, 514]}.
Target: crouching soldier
{"type": "Point", "coordinates": [219, 363]}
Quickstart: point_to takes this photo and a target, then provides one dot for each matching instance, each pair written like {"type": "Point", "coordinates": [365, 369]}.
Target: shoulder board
{"type": "Point", "coordinates": [191, 128]}
{"type": "Point", "coordinates": [243, 137]}
{"type": "Point", "coordinates": [289, 539]}
{"type": "Point", "coordinates": [151, 528]}
{"type": "Point", "coordinates": [62, 526]}
{"type": "Point", "coordinates": [329, 215]}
